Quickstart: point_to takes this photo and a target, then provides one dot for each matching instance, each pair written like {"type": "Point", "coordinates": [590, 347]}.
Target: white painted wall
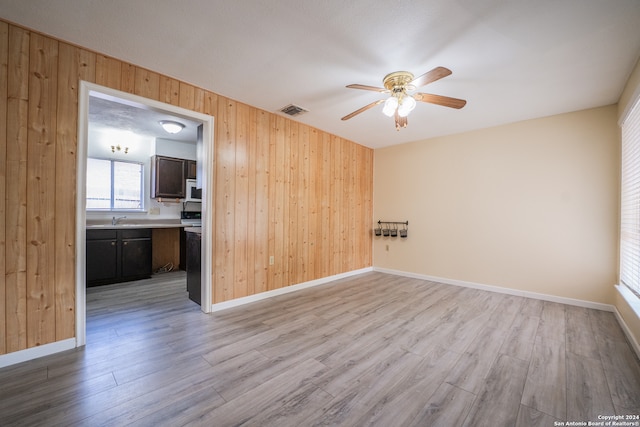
{"type": "Point", "coordinates": [531, 206]}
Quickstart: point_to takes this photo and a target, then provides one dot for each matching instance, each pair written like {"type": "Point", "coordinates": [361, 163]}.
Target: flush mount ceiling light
{"type": "Point", "coordinates": [170, 126]}
{"type": "Point", "coordinates": [401, 102]}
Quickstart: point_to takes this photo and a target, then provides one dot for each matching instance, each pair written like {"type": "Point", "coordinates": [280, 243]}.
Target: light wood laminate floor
{"type": "Point", "coordinates": [374, 349]}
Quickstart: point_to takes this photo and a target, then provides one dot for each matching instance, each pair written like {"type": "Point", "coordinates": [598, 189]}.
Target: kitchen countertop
{"type": "Point", "coordinates": [125, 224]}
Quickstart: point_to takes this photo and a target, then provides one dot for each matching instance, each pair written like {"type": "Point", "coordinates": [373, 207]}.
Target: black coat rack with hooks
{"type": "Point", "coordinates": [392, 232]}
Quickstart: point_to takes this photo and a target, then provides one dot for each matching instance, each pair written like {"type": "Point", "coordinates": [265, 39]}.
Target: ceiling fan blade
{"type": "Point", "coordinates": [365, 87]}
{"type": "Point", "coordinates": [445, 101]}
{"type": "Point", "coordinates": [430, 76]}
{"type": "Point", "coordinates": [365, 108]}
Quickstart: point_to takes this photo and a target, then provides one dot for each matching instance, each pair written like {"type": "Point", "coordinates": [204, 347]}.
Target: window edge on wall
{"type": "Point", "coordinates": [633, 303]}
{"type": "Point", "coordinates": [632, 296]}
{"type": "Point", "coordinates": [633, 100]}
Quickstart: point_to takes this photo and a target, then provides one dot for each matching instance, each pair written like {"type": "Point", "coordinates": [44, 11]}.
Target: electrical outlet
{"type": "Point", "coordinates": [154, 211]}
{"type": "Point", "coordinates": [271, 260]}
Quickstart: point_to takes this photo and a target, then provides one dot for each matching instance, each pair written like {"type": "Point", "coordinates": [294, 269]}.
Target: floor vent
{"type": "Point", "coordinates": [293, 110]}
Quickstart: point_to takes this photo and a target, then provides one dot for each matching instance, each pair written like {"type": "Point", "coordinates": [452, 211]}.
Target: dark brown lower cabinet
{"type": "Point", "coordinates": [102, 255]}
{"type": "Point", "coordinates": [118, 255]}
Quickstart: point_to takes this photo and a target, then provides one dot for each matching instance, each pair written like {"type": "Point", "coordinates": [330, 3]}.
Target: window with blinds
{"type": "Point", "coordinates": [113, 185]}
{"type": "Point", "coordinates": [630, 201]}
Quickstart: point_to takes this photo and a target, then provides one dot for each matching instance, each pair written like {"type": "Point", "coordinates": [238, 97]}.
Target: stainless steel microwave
{"type": "Point", "coordinates": [193, 194]}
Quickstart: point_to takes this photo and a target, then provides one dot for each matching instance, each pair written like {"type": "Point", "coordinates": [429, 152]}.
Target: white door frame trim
{"type": "Point", "coordinates": [207, 203]}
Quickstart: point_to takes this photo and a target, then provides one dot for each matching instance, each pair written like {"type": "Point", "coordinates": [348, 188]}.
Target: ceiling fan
{"type": "Point", "coordinates": [401, 102]}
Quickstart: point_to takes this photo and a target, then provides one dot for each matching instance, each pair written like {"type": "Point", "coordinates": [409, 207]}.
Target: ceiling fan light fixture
{"type": "Point", "coordinates": [406, 106]}
{"type": "Point", "coordinates": [401, 103]}
{"type": "Point", "coordinates": [170, 126]}
{"type": "Point", "coordinates": [390, 106]}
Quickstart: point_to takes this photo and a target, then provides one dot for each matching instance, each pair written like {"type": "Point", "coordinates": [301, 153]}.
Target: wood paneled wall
{"type": "Point", "coordinates": [282, 188]}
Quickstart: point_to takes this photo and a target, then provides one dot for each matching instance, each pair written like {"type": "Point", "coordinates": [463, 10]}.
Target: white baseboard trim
{"type": "Point", "coordinates": [293, 288]}
{"type": "Point", "coordinates": [498, 289]}
{"type": "Point", "coordinates": [36, 352]}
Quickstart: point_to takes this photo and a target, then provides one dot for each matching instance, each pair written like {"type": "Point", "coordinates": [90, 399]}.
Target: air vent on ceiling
{"type": "Point", "coordinates": [293, 110]}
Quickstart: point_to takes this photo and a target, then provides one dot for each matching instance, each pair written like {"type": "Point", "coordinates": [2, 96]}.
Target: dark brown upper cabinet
{"type": "Point", "coordinates": [168, 176]}
{"type": "Point", "coordinates": [192, 168]}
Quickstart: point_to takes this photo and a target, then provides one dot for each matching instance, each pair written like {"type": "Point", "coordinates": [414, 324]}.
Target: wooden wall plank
{"type": "Point", "coordinates": [169, 90]}
{"type": "Point", "coordinates": [261, 190]}
{"type": "Point", "coordinates": [313, 204]}
{"type": "Point", "coordinates": [16, 193]}
{"type": "Point", "coordinates": [325, 225]}
{"type": "Point", "coordinates": [369, 207]}
{"type": "Point", "coordinates": [302, 253]}
{"type": "Point", "coordinates": [292, 203]}
{"type": "Point", "coordinates": [18, 63]}
{"type": "Point", "coordinates": [41, 190]}
{"type": "Point", "coordinates": [252, 215]}
{"type": "Point", "coordinates": [108, 72]}
{"type": "Point", "coordinates": [147, 84]}
{"type": "Point", "coordinates": [127, 78]}
{"type": "Point", "coordinates": [224, 200]}
{"type": "Point", "coordinates": [366, 231]}
{"type": "Point", "coordinates": [349, 206]}
{"type": "Point", "coordinates": [345, 207]}
{"type": "Point", "coordinates": [335, 225]}
{"type": "Point", "coordinates": [277, 201]}
{"type": "Point", "coordinates": [357, 220]}
{"type": "Point", "coordinates": [187, 98]}
{"type": "Point", "coordinates": [74, 65]}
{"type": "Point", "coordinates": [4, 64]}
{"type": "Point", "coordinates": [16, 226]}
{"type": "Point", "coordinates": [210, 105]}
{"type": "Point", "coordinates": [360, 215]}
{"type": "Point", "coordinates": [241, 202]}
{"type": "Point", "coordinates": [273, 171]}
{"type": "Point", "coordinates": [285, 210]}
{"type": "Point", "coordinates": [199, 99]}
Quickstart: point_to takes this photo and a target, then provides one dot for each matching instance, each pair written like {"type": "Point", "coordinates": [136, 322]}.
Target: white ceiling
{"type": "Point", "coordinates": [107, 113]}
{"type": "Point", "coordinates": [511, 60]}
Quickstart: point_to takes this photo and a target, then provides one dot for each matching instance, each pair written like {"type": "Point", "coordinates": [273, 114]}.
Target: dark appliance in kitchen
{"type": "Point", "coordinates": [190, 219]}
{"type": "Point", "coordinates": [194, 277]}
{"type": "Point", "coordinates": [190, 252]}
{"type": "Point", "coordinates": [193, 193]}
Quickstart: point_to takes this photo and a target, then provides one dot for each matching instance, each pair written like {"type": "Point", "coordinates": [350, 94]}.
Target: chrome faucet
{"type": "Point", "coordinates": [115, 221]}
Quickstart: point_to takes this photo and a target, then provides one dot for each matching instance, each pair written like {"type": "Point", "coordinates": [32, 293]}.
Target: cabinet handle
{"type": "Point", "coordinates": [113, 243]}
{"type": "Point", "coordinates": [125, 243]}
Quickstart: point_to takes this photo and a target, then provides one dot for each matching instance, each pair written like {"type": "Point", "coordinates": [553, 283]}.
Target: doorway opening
{"type": "Point", "coordinates": [94, 97]}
